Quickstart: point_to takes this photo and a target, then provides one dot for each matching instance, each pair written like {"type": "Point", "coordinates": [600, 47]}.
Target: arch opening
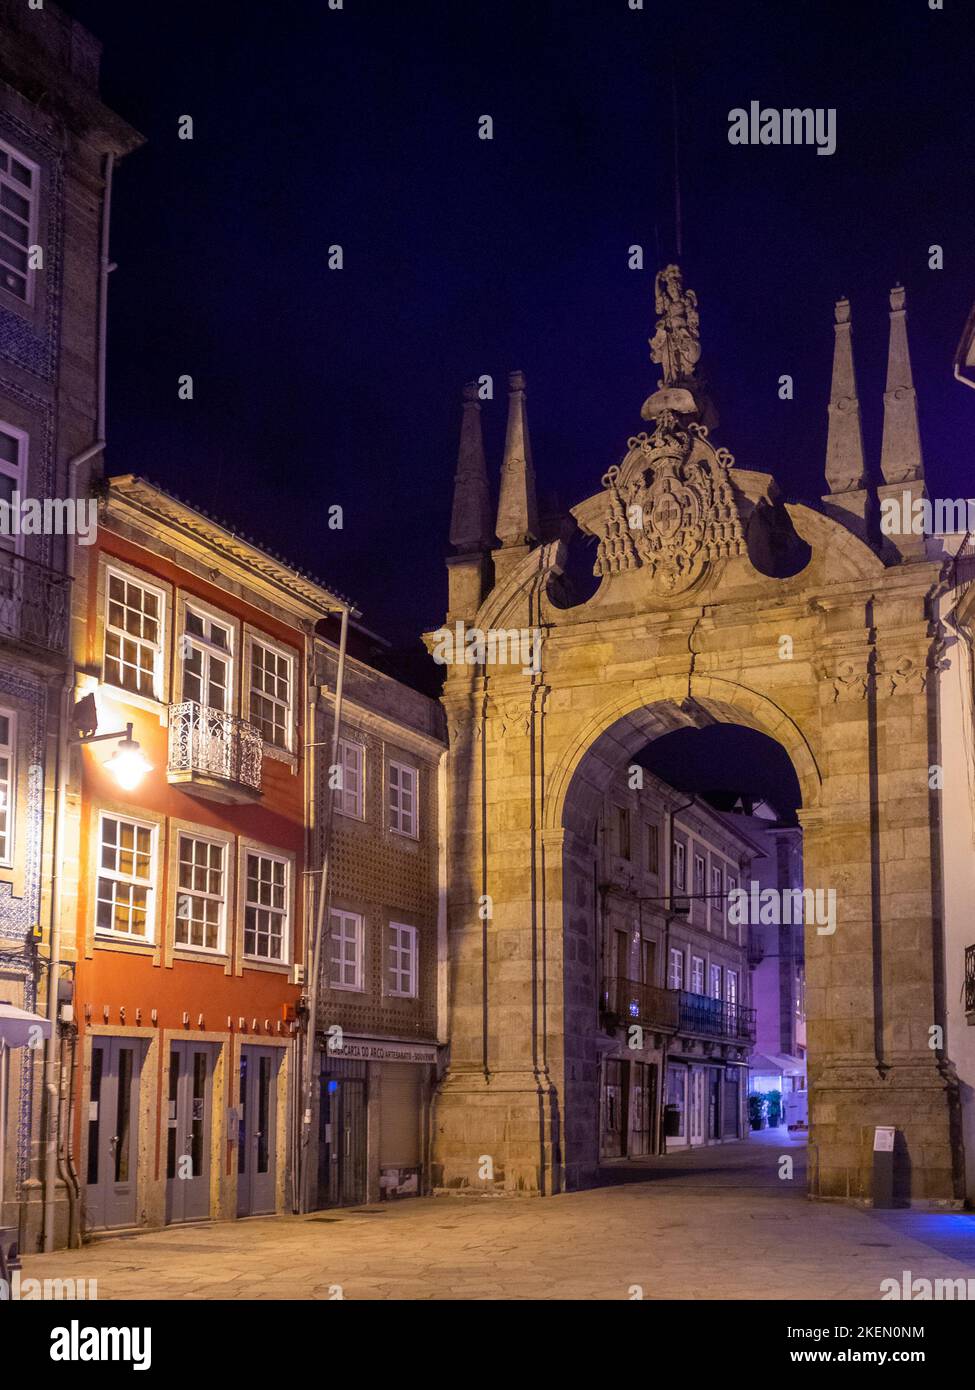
{"type": "Point", "coordinates": [681, 827]}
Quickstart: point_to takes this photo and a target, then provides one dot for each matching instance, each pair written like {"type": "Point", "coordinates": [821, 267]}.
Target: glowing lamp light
{"type": "Point", "coordinates": [127, 765]}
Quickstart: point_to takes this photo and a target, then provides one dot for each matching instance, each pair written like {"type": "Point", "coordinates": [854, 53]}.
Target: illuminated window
{"type": "Point", "coordinates": [347, 949]}
{"type": "Point", "coordinates": [699, 879]}
{"type": "Point", "coordinates": [7, 784]}
{"type": "Point", "coordinates": [403, 799]}
{"type": "Point", "coordinates": [679, 871]}
{"type": "Point", "coordinates": [133, 636]}
{"type": "Point", "coordinates": [125, 889]}
{"type": "Point", "coordinates": [675, 973]}
{"type": "Point", "coordinates": [270, 694]}
{"type": "Point", "coordinates": [13, 470]}
{"type": "Point", "coordinates": [200, 897]}
{"type": "Point", "coordinates": [731, 986]}
{"type": "Point", "coordinates": [266, 907]}
{"type": "Point", "coordinates": [401, 961]}
{"type": "Point", "coordinates": [716, 903]}
{"type": "Point", "coordinates": [715, 981]}
{"type": "Point", "coordinates": [350, 796]}
{"type": "Point", "coordinates": [206, 651]}
{"type": "Point", "coordinates": [18, 222]}
{"type": "Point", "coordinates": [697, 974]}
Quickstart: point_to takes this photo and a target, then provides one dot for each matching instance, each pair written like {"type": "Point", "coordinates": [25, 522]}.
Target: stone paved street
{"type": "Point", "coordinates": [715, 1224]}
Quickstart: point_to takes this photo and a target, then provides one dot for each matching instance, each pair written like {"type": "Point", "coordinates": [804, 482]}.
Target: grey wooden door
{"type": "Point", "coordinates": [257, 1130]}
{"type": "Point", "coordinates": [189, 1119]}
{"type": "Point", "coordinates": [113, 1133]}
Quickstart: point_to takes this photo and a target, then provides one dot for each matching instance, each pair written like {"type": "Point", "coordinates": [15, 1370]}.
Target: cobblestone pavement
{"type": "Point", "coordinates": [718, 1223]}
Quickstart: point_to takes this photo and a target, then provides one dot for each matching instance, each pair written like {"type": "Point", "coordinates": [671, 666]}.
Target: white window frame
{"type": "Point", "coordinates": [255, 852]}
{"type": "Point", "coordinates": [396, 813]}
{"type": "Point", "coordinates": [357, 937]}
{"type": "Point", "coordinates": [717, 881]}
{"type": "Point", "coordinates": [700, 875]}
{"type": "Point", "coordinates": [221, 947]}
{"type": "Point", "coordinates": [697, 974]}
{"type": "Point", "coordinates": [714, 981]}
{"type": "Point", "coordinates": [395, 967]}
{"type": "Point", "coordinates": [17, 472]}
{"type": "Point", "coordinates": [8, 788]}
{"type": "Point", "coordinates": [730, 884]}
{"type": "Point", "coordinates": [114, 876]}
{"type": "Point", "coordinates": [259, 640]}
{"type": "Point", "coordinates": [731, 987]}
{"type": "Point", "coordinates": [32, 199]}
{"type": "Point", "coordinates": [351, 801]}
{"type": "Point", "coordinates": [680, 867]}
{"type": "Point", "coordinates": [675, 978]}
{"type": "Point", "coordinates": [158, 647]}
{"type": "Point", "coordinates": [207, 649]}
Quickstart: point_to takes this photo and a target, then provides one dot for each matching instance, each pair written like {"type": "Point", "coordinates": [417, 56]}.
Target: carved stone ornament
{"type": "Point", "coordinates": [907, 677]}
{"type": "Point", "coordinates": [850, 681]}
{"type": "Point", "coordinates": [671, 508]}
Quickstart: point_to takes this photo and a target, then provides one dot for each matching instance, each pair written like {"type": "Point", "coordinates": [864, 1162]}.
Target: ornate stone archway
{"type": "Point", "coordinates": [689, 624]}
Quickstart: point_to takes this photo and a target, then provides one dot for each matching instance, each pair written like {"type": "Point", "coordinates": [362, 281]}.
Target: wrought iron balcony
{"type": "Point", "coordinates": [628, 1001]}
{"type": "Point", "coordinates": [970, 983]}
{"type": "Point", "coordinates": [213, 754]}
{"type": "Point", "coordinates": [715, 1018]}
{"type": "Point", "coordinates": [34, 604]}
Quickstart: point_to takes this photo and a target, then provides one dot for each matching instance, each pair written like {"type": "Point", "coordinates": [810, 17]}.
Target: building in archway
{"type": "Point", "coordinates": [717, 601]}
{"type": "Point", "coordinates": [676, 1024]}
{"type": "Point", "coordinates": [775, 953]}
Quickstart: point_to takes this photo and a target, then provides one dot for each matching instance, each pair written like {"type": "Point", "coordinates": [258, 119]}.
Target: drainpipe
{"type": "Point", "coordinates": [54, 959]}
{"type": "Point", "coordinates": [315, 954]}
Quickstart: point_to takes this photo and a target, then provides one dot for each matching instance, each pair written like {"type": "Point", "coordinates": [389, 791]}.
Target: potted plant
{"type": "Point", "coordinates": [773, 1102]}
{"type": "Point", "coordinates": [756, 1110]}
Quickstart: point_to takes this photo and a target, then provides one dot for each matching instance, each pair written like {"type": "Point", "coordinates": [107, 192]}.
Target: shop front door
{"type": "Point", "coordinates": [342, 1135]}
{"type": "Point", "coordinates": [113, 1133]}
{"type": "Point", "coordinates": [257, 1130]}
{"type": "Point", "coordinates": [189, 1118]}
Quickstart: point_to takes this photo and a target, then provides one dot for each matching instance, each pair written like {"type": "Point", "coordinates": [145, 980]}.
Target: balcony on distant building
{"type": "Point", "coordinates": [34, 604]}
{"type": "Point", "coordinates": [629, 1001]}
{"type": "Point", "coordinates": [214, 755]}
{"type": "Point", "coordinates": [705, 1017]}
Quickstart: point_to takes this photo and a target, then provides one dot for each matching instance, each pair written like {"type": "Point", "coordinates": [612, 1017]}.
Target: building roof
{"type": "Point", "coordinates": [165, 507]}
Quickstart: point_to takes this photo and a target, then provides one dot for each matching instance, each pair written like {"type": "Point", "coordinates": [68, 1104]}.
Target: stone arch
{"type": "Point", "coordinates": [622, 726]}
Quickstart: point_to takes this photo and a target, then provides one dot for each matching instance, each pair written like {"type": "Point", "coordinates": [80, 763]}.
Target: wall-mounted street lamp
{"type": "Point", "coordinates": [127, 764]}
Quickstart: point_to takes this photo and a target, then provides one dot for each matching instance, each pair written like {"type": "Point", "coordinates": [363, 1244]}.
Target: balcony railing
{"type": "Point", "coordinates": [631, 1002]}
{"type": "Point", "coordinates": [714, 1018]}
{"type": "Point", "coordinates": [218, 754]}
{"type": "Point", "coordinates": [34, 603]}
{"type": "Point", "coordinates": [970, 980]}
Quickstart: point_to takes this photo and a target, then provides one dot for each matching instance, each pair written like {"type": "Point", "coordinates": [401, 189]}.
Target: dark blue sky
{"type": "Point", "coordinates": [359, 126]}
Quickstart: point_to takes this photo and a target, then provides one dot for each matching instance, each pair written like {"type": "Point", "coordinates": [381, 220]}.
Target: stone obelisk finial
{"type": "Point", "coordinates": [517, 526]}
{"type": "Point", "coordinates": [845, 474]}
{"type": "Point", "coordinates": [844, 443]}
{"type": "Point", "coordinates": [900, 453]}
{"type": "Point", "coordinates": [470, 519]}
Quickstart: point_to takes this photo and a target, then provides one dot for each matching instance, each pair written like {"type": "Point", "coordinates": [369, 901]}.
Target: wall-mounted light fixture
{"type": "Point", "coordinates": [127, 764]}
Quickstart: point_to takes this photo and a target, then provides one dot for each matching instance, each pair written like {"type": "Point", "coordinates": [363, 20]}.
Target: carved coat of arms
{"type": "Point", "coordinates": [670, 508]}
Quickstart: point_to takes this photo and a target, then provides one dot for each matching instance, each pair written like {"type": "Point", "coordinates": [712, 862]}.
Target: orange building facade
{"type": "Point", "coordinates": [187, 890]}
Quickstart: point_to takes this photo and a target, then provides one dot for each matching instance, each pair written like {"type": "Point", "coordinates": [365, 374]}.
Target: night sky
{"type": "Point", "coordinates": [463, 257]}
